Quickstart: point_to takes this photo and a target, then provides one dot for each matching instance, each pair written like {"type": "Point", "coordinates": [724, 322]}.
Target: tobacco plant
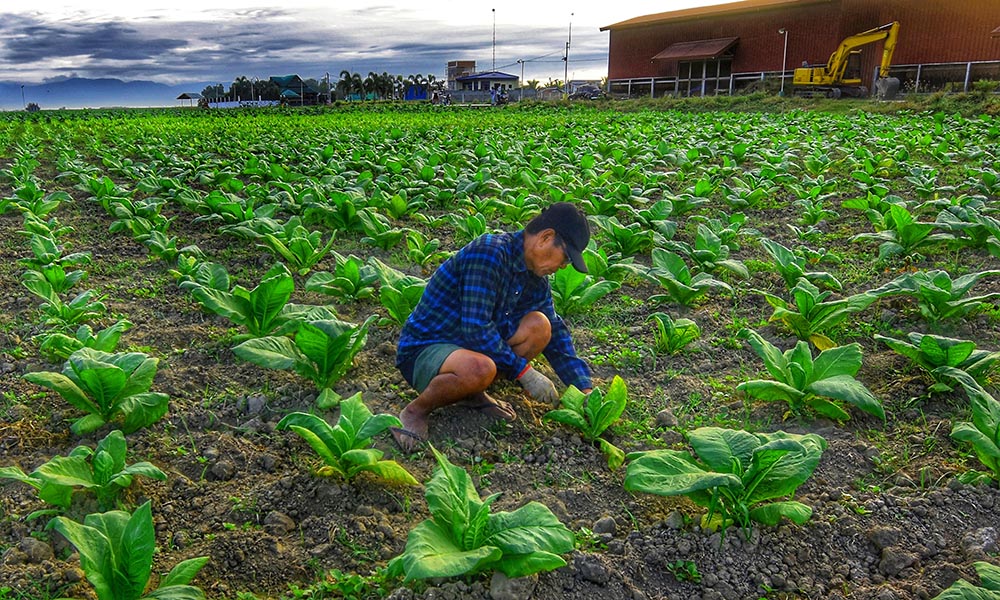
{"type": "Point", "coordinates": [709, 253]}
{"type": "Point", "coordinates": [57, 346]}
{"type": "Point", "coordinates": [819, 383]}
{"type": "Point", "coordinates": [321, 351]}
{"type": "Point", "coordinates": [345, 447]}
{"type": "Point", "coordinates": [379, 232]}
{"type": "Point", "coordinates": [423, 251]}
{"type": "Point", "coordinates": [591, 414]}
{"type": "Point", "coordinates": [903, 235]}
{"type": "Point", "coordinates": [930, 351]}
{"type": "Point", "coordinates": [675, 278]}
{"type": "Point", "coordinates": [793, 267]}
{"type": "Point", "coordinates": [265, 309]}
{"type": "Point", "coordinates": [671, 336]}
{"type": "Point", "coordinates": [101, 471]}
{"type": "Point", "coordinates": [109, 387]}
{"type": "Point", "coordinates": [82, 308]}
{"type": "Point", "coordinates": [46, 252]}
{"type": "Point", "coordinates": [574, 292]}
{"type": "Point", "coordinates": [463, 537]}
{"type": "Point", "coordinates": [938, 296]}
{"type": "Point", "coordinates": [302, 249]}
{"type": "Point", "coordinates": [810, 314]}
{"type": "Point", "coordinates": [983, 433]}
{"type": "Point", "coordinates": [116, 554]}
{"type": "Point", "coordinates": [351, 279]}
{"type": "Point", "coordinates": [627, 240]}
{"type": "Point", "coordinates": [398, 293]}
{"type": "Point", "coordinates": [740, 477]}
{"type": "Point", "coordinates": [989, 576]}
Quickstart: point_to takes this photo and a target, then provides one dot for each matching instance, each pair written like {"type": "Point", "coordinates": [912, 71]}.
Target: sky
{"type": "Point", "coordinates": [178, 41]}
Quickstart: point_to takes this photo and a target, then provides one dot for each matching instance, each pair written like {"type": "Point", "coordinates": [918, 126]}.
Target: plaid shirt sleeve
{"type": "Point", "coordinates": [560, 353]}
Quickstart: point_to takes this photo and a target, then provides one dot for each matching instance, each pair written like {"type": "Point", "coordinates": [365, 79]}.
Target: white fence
{"type": "Point", "coordinates": [916, 78]}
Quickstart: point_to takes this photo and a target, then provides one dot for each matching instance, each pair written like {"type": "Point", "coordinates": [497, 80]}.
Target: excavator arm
{"type": "Point", "coordinates": [838, 60]}
{"type": "Point", "coordinates": [830, 79]}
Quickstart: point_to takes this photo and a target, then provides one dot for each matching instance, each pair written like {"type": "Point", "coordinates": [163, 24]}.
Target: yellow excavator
{"type": "Point", "coordinates": [841, 76]}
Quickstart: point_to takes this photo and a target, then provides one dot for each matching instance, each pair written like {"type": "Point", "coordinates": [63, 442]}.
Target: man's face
{"type": "Point", "coordinates": [546, 253]}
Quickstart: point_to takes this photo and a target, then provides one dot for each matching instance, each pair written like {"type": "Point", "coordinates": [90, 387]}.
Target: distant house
{"type": "Point", "coordinates": [486, 81]}
{"type": "Point", "coordinates": [294, 91]}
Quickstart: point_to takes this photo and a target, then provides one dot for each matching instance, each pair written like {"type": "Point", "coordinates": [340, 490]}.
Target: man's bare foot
{"type": "Point", "coordinates": [486, 404]}
{"type": "Point", "coordinates": [413, 433]}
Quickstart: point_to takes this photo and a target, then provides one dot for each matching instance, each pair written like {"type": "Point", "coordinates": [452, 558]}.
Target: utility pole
{"type": "Point", "coordinates": [569, 40]}
{"type": "Point", "coordinates": [23, 104]}
{"type": "Point", "coordinates": [784, 56]}
{"type": "Point", "coordinates": [494, 39]}
{"type": "Point", "coordinates": [521, 62]}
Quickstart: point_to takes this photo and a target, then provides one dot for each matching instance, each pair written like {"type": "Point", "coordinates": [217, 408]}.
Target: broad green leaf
{"type": "Point", "coordinates": [530, 528]}
{"type": "Point", "coordinates": [771, 514]}
{"type": "Point", "coordinates": [431, 552]}
{"type": "Point", "coordinates": [718, 447]}
{"type": "Point", "coordinates": [672, 473]}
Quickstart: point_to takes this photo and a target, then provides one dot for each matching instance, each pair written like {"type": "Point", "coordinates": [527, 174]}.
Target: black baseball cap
{"type": "Point", "coordinates": [571, 225]}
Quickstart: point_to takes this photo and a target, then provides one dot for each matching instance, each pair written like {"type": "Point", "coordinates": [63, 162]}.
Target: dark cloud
{"type": "Point", "coordinates": [98, 41]}
{"type": "Point", "coordinates": [263, 42]}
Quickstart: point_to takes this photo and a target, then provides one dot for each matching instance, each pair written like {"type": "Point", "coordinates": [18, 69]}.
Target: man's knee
{"type": "Point", "coordinates": [537, 327]}
{"type": "Point", "coordinates": [477, 368]}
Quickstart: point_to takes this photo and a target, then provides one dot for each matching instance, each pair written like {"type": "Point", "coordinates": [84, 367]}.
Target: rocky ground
{"type": "Point", "coordinates": [890, 520]}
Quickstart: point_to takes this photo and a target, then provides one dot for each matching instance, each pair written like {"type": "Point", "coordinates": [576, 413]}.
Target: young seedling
{"type": "Point", "coordinates": [930, 351]}
{"type": "Point", "coordinates": [102, 471]}
{"type": "Point", "coordinates": [116, 553]}
{"type": "Point", "coordinates": [108, 387]}
{"type": "Point", "coordinates": [463, 537]}
{"type": "Point", "coordinates": [591, 414]}
{"type": "Point", "coordinates": [345, 447]}
{"type": "Point", "coordinates": [802, 381]}
{"type": "Point", "coordinates": [983, 433]}
{"type": "Point", "coordinates": [739, 476]}
{"type": "Point", "coordinates": [321, 351]}
{"type": "Point", "coordinates": [671, 335]}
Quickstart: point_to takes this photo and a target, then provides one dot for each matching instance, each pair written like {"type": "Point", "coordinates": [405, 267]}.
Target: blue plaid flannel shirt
{"type": "Point", "coordinates": [476, 300]}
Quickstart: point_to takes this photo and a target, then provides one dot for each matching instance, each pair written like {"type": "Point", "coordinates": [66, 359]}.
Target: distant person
{"type": "Point", "coordinates": [486, 313]}
{"type": "Point", "coordinates": [493, 95]}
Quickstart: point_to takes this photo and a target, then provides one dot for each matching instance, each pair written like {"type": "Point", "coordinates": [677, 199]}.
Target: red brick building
{"type": "Point", "coordinates": [725, 47]}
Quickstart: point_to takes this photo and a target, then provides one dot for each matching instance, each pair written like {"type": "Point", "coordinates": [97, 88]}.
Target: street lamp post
{"type": "Point", "coordinates": [784, 58]}
{"type": "Point", "coordinates": [23, 103]}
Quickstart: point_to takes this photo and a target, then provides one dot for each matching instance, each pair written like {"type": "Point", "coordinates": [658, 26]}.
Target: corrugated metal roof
{"type": "Point", "coordinates": [706, 11]}
{"type": "Point", "coordinates": [697, 50]}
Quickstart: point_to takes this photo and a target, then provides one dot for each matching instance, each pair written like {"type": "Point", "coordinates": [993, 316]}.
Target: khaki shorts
{"type": "Point", "coordinates": [428, 363]}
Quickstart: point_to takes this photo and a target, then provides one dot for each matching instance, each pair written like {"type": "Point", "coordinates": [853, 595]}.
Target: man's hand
{"type": "Point", "coordinates": [539, 386]}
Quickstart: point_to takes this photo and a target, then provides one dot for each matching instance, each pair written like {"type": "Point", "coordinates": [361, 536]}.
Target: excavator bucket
{"type": "Point", "coordinates": [886, 88]}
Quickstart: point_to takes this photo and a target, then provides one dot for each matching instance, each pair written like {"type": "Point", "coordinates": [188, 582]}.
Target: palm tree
{"type": "Point", "coordinates": [357, 84]}
{"type": "Point", "coordinates": [344, 84]}
{"type": "Point", "coordinates": [371, 83]}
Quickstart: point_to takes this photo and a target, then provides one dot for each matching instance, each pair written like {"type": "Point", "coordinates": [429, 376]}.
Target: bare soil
{"type": "Point", "coordinates": [890, 520]}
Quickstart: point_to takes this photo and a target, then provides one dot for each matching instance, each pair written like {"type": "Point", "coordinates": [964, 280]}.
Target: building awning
{"type": "Point", "coordinates": [698, 50]}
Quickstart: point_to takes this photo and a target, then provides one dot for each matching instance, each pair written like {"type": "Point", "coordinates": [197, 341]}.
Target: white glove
{"type": "Point", "coordinates": [538, 386]}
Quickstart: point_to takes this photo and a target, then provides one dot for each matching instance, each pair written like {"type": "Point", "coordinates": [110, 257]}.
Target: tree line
{"type": "Point", "coordinates": [349, 85]}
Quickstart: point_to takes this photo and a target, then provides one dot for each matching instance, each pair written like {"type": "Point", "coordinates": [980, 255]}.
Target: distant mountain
{"type": "Point", "coordinates": [94, 93]}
